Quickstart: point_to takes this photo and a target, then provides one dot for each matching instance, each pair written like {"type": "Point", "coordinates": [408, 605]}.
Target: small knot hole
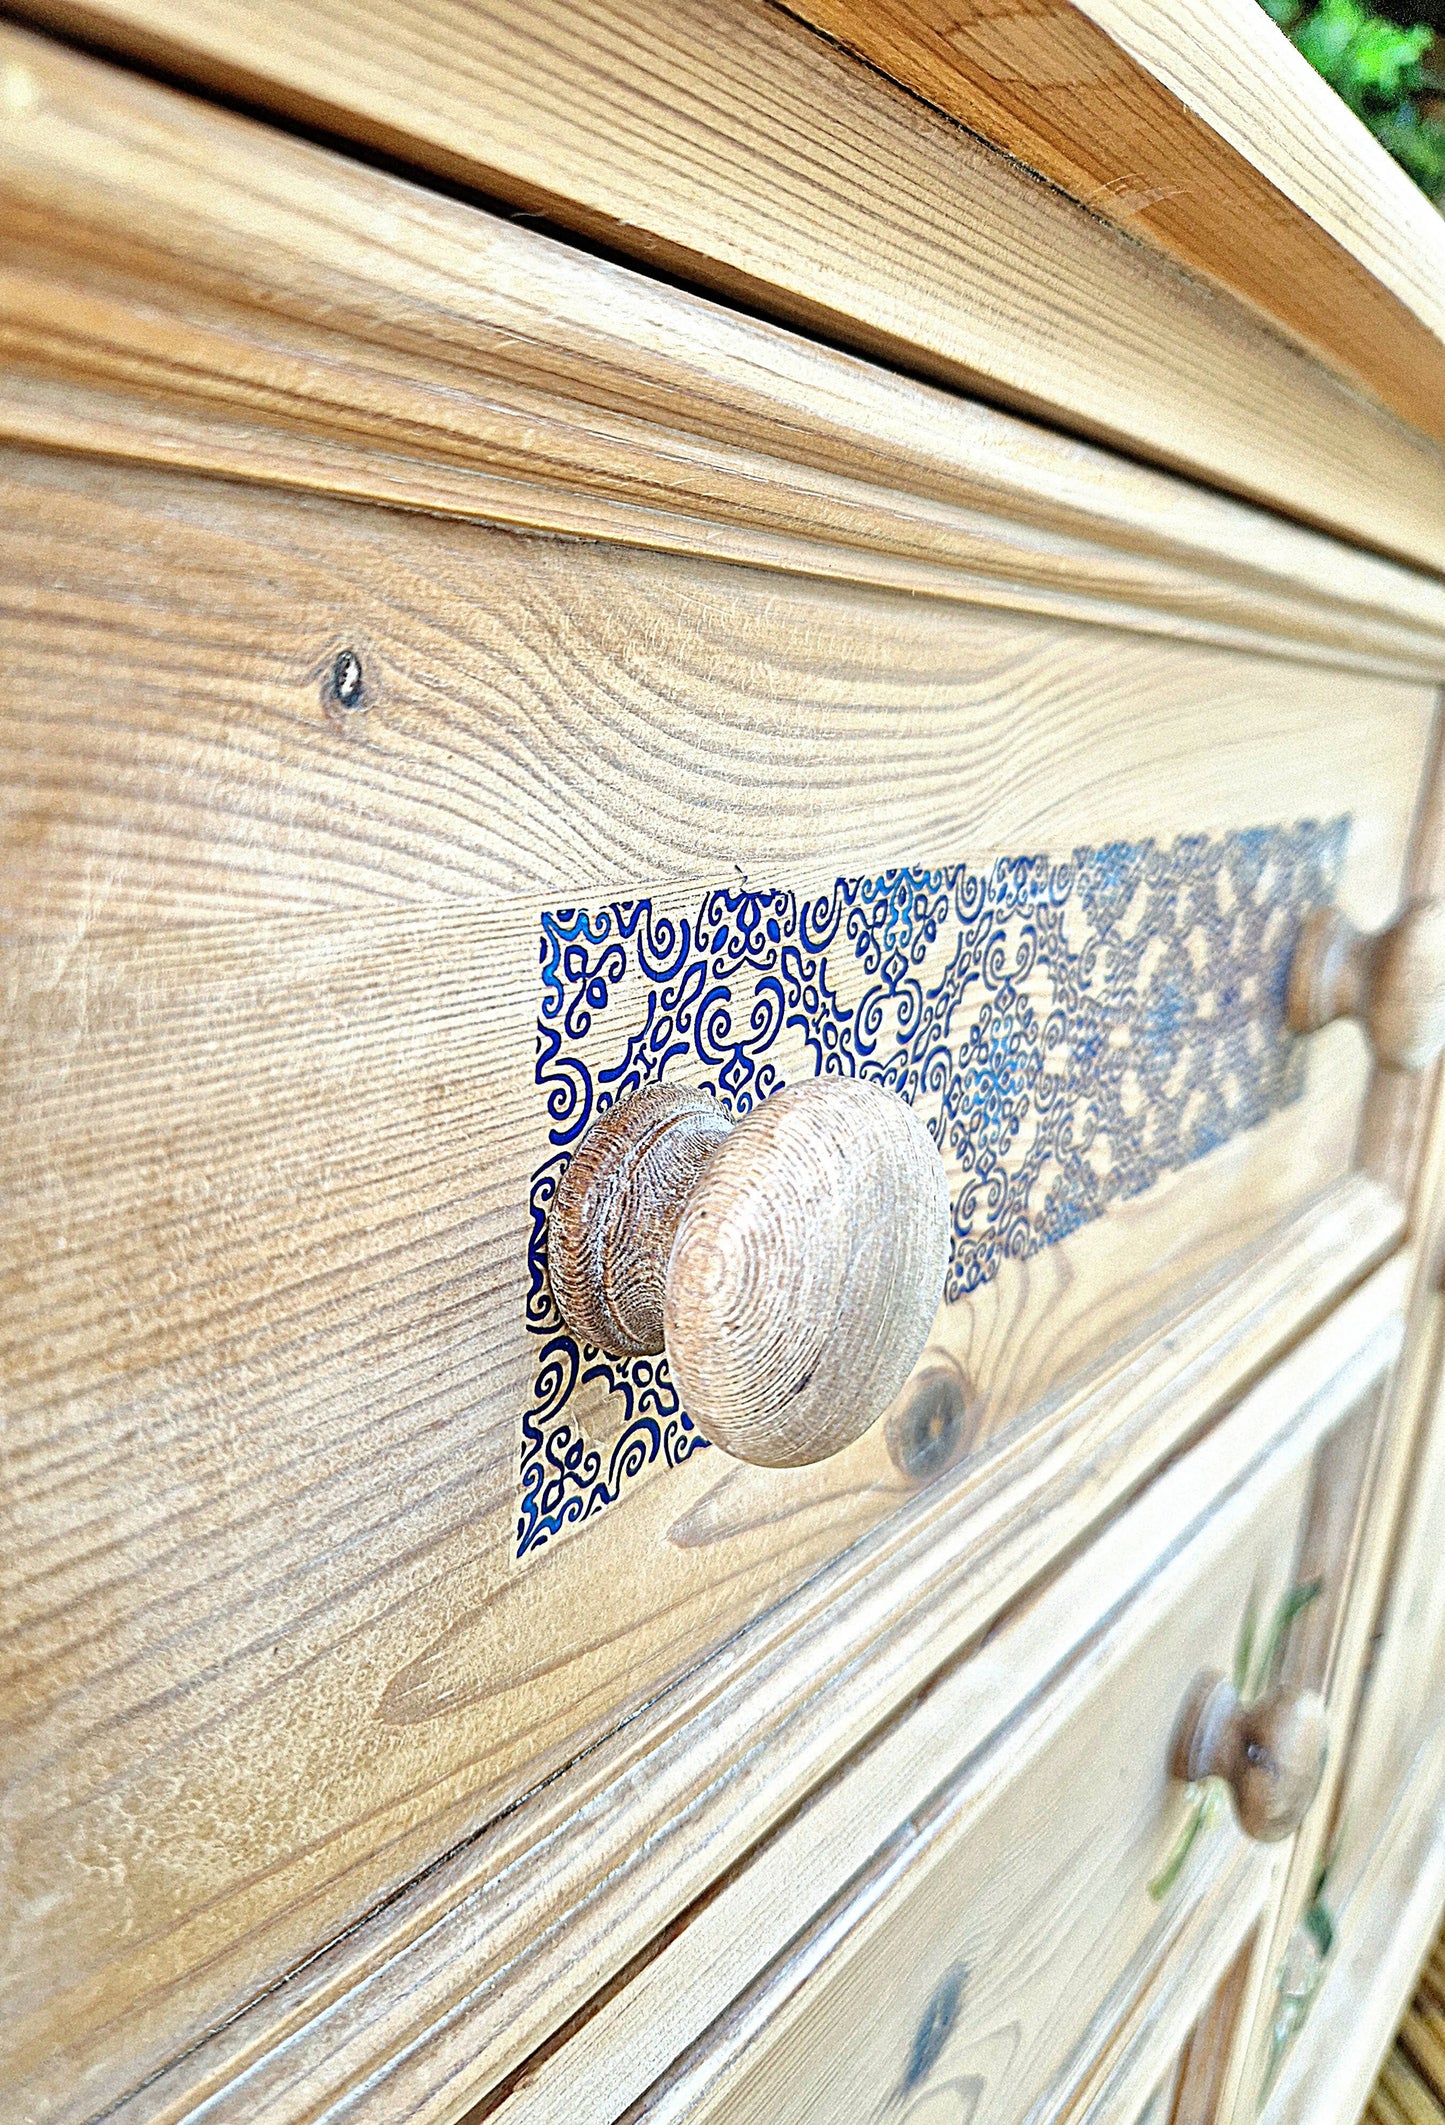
{"type": "Point", "coordinates": [348, 682]}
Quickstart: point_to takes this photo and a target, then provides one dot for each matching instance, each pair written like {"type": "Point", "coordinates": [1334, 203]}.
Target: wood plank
{"type": "Point", "coordinates": [1202, 131]}
{"type": "Point", "coordinates": [739, 2013]}
{"type": "Point", "coordinates": [317, 325]}
{"type": "Point", "coordinates": [1386, 1932]}
{"type": "Point", "coordinates": [516, 692]}
{"type": "Point", "coordinates": [272, 991]}
{"type": "Point", "coordinates": [451, 1985]}
{"type": "Point", "coordinates": [935, 251]}
{"type": "Point", "coordinates": [1403, 1143]}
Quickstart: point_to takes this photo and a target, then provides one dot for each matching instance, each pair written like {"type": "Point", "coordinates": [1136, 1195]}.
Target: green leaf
{"type": "Point", "coordinates": [1183, 1845]}
{"type": "Point", "coordinates": [1321, 1926]}
{"type": "Point", "coordinates": [1202, 1811]}
{"type": "Point", "coordinates": [1292, 1604]}
{"type": "Point", "coordinates": [1244, 1643]}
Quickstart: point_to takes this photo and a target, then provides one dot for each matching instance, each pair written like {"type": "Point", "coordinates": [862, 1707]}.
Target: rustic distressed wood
{"type": "Point", "coordinates": [933, 250]}
{"type": "Point", "coordinates": [1023, 1877]}
{"type": "Point", "coordinates": [323, 1802]}
{"type": "Point", "coordinates": [1393, 983]}
{"type": "Point", "coordinates": [790, 1264]}
{"type": "Point", "coordinates": [1201, 131]}
{"type": "Point", "coordinates": [217, 847]}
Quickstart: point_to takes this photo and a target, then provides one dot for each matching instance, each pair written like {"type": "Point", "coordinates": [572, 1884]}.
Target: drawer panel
{"type": "Point", "coordinates": [1034, 1939]}
{"type": "Point", "coordinates": [296, 1471]}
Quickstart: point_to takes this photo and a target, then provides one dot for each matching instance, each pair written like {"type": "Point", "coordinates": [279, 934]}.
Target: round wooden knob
{"type": "Point", "coordinates": [790, 1263]}
{"type": "Point", "coordinates": [1393, 982]}
{"type": "Point", "coordinates": [1271, 1753]}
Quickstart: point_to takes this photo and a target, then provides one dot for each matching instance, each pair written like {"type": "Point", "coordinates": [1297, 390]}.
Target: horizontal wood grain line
{"type": "Point", "coordinates": [1201, 130]}
{"type": "Point", "coordinates": [554, 719]}
{"type": "Point", "coordinates": [423, 2007]}
{"type": "Point", "coordinates": [185, 284]}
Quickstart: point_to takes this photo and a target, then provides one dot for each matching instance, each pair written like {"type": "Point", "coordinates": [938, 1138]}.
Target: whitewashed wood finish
{"type": "Point", "coordinates": [1386, 1929]}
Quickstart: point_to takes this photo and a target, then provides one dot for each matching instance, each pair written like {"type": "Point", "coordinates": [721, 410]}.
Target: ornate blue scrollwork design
{"type": "Point", "coordinates": [1071, 1030]}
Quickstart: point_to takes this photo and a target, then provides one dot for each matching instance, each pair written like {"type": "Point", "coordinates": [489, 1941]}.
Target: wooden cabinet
{"type": "Point", "coordinates": [755, 633]}
{"type": "Point", "coordinates": [1016, 1905]}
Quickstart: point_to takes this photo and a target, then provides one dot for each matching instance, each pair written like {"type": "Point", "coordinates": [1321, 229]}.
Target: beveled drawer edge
{"type": "Point", "coordinates": [1035, 1675]}
{"type": "Point", "coordinates": [1145, 2026]}
{"type": "Point", "coordinates": [1385, 1932]}
{"type": "Point", "coordinates": [936, 252]}
{"type": "Point", "coordinates": [448, 1988]}
{"type": "Point", "coordinates": [474, 369]}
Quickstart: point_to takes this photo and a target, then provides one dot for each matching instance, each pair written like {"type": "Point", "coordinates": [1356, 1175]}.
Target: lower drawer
{"type": "Point", "coordinates": [1017, 1911]}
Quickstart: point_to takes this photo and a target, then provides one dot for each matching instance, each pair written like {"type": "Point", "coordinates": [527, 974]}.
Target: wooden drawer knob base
{"type": "Point", "coordinates": [790, 1263]}
{"type": "Point", "coordinates": [1393, 982]}
{"type": "Point", "coordinates": [1271, 1754]}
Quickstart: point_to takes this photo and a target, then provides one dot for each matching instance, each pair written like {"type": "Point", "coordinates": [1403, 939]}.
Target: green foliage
{"type": "Point", "coordinates": [1380, 69]}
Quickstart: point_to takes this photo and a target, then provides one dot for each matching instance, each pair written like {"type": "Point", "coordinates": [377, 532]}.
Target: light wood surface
{"type": "Point", "coordinates": [280, 1156]}
{"type": "Point", "coordinates": [1387, 1931]}
{"type": "Point", "coordinates": [925, 728]}
{"type": "Point", "coordinates": [933, 250]}
{"type": "Point", "coordinates": [1023, 1875]}
{"type": "Point", "coordinates": [1202, 131]}
{"type": "Point", "coordinates": [1404, 1138]}
{"type": "Point", "coordinates": [450, 1988]}
{"type": "Point", "coordinates": [314, 324]}
{"type": "Point", "coordinates": [297, 747]}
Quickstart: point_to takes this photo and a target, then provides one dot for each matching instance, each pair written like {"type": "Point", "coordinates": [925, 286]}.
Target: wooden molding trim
{"type": "Point", "coordinates": [700, 2007]}
{"type": "Point", "coordinates": [448, 1988]}
{"type": "Point", "coordinates": [786, 174]}
{"type": "Point", "coordinates": [1201, 130]}
{"type": "Point", "coordinates": [180, 286]}
{"type": "Point", "coordinates": [1386, 1930]}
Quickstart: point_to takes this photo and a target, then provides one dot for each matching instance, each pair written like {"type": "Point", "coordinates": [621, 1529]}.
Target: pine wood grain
{"type": "Point", "coordinates": [1388, 1928]}
{"type": "Point", "coordinates": [1202, 131]}
{"type": "Point", "coordinates": [783, 174]}
{"type": "Point", "coordinates": [173, 751]}
{"type": "Point", "coordinates": [1028, 1864]}
{"type": "Point", "coordinates": [1402, 1140]}
{"type": "Point", "coordinates": [271, 999]}
{"type": "Point", "coordinates": [313, 324]}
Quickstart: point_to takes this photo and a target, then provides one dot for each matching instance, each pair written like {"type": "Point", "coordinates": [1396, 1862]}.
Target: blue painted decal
{"type": "Point", "coordinates": [1071, 1029]}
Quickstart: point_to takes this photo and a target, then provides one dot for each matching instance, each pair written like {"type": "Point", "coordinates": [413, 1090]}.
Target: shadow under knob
{"type": "Point", "coordinates": [1271, 1754]}
{"type": "Point", "coordinates": [790, 1263]}
{"type": "Point", "coordinates": [1393, 982]}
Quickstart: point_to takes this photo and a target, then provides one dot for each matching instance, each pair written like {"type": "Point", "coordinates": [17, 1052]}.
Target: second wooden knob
{"type": "Point", "coordinates": [1393, 982]}
{"type": "Point", "coordinates": [790, 1264]}
{"type": "Point", "coordinates": [1271, 1753]}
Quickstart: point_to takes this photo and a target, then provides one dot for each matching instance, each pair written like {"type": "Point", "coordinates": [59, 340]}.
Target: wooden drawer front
{"type": "Point", "coordinates": [356, 855]}
{"type": "Point", "coordinates": [1020, 1946]}
{"type": "Point", "coordinates": [276, 1106]}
